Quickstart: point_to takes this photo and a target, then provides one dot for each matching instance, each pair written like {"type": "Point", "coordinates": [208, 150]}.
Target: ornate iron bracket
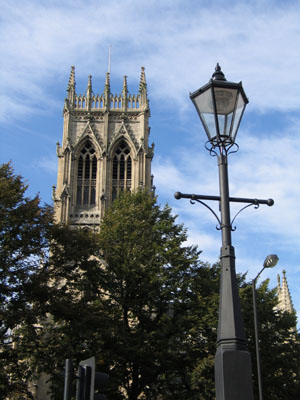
{"type": "Point", "coordinates": [199, 198]}
{"type": "Point", "coordinates": [218, 227]}
{"type": "Point", "coordinates": [224, 148]}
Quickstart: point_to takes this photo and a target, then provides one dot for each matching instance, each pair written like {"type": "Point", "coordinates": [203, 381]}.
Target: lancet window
{"type": "Point", "coordinates": [86, 176]}
{"type": "Point", "coordinates": [122, 169]}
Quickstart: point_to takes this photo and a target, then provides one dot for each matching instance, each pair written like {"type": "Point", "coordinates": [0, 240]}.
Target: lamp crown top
{"type": "Point", "coordinates": [218, 75]}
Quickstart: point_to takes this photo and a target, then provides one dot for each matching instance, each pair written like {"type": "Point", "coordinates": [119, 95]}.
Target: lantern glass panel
{"type": "Point", "coordinates": [240, 106]}
{"type": "Point", "coordinates": [225, 122]}
{"type": "Point", "coordinates": [225, 100]}
{"type": "Point", "coordinates": [225, 105]}
{"type": "Point", "coordinates": [205, 108]}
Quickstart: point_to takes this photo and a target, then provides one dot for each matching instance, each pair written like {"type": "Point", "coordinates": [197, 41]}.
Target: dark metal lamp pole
{"type": "Point", "coordinates": [270, 262]}
{"type": "Point", "coordinates": [220, 105]}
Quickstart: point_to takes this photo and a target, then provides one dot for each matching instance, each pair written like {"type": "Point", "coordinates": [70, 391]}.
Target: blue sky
{"type": "Point", "coordinates": [179, 44]}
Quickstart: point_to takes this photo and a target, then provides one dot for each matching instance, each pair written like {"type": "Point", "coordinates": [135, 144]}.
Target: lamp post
{"type": "Point", "coordinates": [270, 262]}
{"type": "Point", "coordinates": [220, 105]}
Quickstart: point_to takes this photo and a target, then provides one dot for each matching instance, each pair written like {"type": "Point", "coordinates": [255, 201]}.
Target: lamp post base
{"type": "Point", "coordinates": [233, 372]}
{"type": "Point", "coordinates": [233, 376]}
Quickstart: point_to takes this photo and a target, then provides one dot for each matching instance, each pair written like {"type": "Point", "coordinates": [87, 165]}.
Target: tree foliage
{"type": "Point", "coordinates": [125, 296]}
{"type": "Point", "coordinates": [134, 295]}
{"type": "Point", "coordinates": [148, 281]}
{"type": "Point", "coordinates": [23, 240]}
{"type": "Point", "coordinates": [278, 341]}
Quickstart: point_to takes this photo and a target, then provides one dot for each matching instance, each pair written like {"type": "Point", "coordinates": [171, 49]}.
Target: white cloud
{"type": "Point", "coordinates": [263, 168]}
{"type": "Point", "coordinates": [179, 48]}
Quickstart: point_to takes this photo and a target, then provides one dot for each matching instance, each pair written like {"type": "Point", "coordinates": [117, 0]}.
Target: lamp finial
{"type": "Point", "coordinates": [218, 75]}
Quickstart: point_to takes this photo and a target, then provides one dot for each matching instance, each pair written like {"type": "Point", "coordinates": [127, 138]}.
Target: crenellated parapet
{"type": "Point", "coordinates": [123, 101]}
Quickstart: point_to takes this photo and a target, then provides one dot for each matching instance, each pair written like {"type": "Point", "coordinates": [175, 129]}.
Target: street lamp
{"type": "Point", "coordinates": [270, 262]}
{"type": "Point", "coordinates": [220, 105]}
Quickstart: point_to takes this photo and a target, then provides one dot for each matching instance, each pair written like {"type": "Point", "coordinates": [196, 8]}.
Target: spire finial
{"type": "Point", "coordinates": [218, 75]}
{"type": "Point", "coordinates": [284, 273]}
{"type": "Point", "coordinates": [107, 91]}
{"type": "Point", "coordinates": [71, 87]}
{"type": "Point", "coordinates": [125, 83]}
{"type": "Point", "coordinates": [89, 86]}
{"type": "Point", "coordinates": [107, 80]}
{"type": "Point", "coordinates": [89, 92]}
{"type": "Point", "coordinates": [143, 84]}
{"type": "Point", "coordinates": [72, 78]}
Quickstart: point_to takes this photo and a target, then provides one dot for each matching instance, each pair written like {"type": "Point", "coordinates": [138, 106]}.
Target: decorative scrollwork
{"type": "Point", "coordinates": [256, 206]}
{"type": "Point", "coordinates": [192, 201]}
{"type": "Point", "coordinates": [250, 202]}
{"type": "Point", "coordinates": [219, 226]}
{"type": "Point", "coordinates": [224, 147]}
{"type": "Point", "coordinates": [211, 149]}
{"type": "Point", "coordinates": [234, 145]}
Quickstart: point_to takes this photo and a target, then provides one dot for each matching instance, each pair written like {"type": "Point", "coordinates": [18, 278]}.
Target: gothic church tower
{"type": "Point", "coordinates": [284, 297]}
{"type": "Point", "coordinates": [104, 151]}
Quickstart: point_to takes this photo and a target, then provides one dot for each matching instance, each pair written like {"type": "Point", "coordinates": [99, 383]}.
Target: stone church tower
{"type": "Point", "coordinates": [104, 151]}
{"type": "Point", "coordinates": [284, 297]}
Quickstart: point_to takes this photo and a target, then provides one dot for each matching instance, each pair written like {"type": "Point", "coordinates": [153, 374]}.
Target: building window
{"type": "Point", "coordinates": [86, 176]}
{"type": "Point", "coordinates": [121, 171]}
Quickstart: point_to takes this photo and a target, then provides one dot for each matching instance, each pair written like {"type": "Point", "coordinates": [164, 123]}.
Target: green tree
{"type": "Point", "coordinates": [32, 296]}
{"type": "Point", "coordinates": [147, 280]}
{"type": "Point", "coordinates": [66, 319]}
{"type": "Point", "coordinates": [279, 343]}
{"type": "Point", "coordinates": [23, 226]}
{"type": "Point", "coordinates": [137, 297]}
{"type": "Point", "coordinates": [123, 295]}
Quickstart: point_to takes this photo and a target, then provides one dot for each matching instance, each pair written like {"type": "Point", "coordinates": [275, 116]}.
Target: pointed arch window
{"type": "Point", "coordinates": [122, 169]}
{"type": "Point", "coordinates": [86, 176]}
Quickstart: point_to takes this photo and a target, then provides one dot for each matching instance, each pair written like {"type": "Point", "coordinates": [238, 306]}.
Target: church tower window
{"type": "Point", "coordinates": [105, 150]}
{"type": "Point", "coordinates": [121, 171]}
{"type": "Point", "coordinates": [86, 176]}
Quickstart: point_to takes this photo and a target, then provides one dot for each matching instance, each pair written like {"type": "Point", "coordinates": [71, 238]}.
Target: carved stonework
{"type": "Point", "coordinates": [284, 297]}
{"type": "Point", "coordinates": [104, 151]}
